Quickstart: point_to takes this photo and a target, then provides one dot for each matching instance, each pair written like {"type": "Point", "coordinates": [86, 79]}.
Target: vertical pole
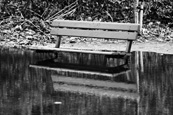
{"type": "Point", "coordinates": [41, 95]}
{"type": "Point", "coordinates": [141, 15]}
{"type": "Point", "coordinates": [137, 80]}
{"type": "Point", "coordinates": [137, 21]}
{"type": "Point", "coordinates": [137, 70]}
{"type": "Point", "coordinates": [141, 61]}
{"type": "Point", "coordinates": [136, 2]}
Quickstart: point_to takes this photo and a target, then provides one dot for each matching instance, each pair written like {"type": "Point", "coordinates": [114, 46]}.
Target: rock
{"type": "Point", "coordinates": [18, 28]}
{"type": "Point", "coordinates": [171, 35]}
{"type": "Point", "coordinates": [168, 38]}
{"type": "Point", "coordinates": [6, 31]}
{"type": "Point", "coordinates": [30, 32]}
{"type": "Point", "coordinates": [160, 40]}
{"type": "Point", "coordinates": [1, 38]}
{"type": "Point", "coordinates": [11, 43]}
{"type": "Point", "coordinates": [72, 40]}
{"type": "Point", "coordinates": [29, 37]}
{"type": "Point", "coordinates": [24, 42]}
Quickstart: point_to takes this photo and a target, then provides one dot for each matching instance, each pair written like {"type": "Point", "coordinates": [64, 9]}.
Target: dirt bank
{"type": "Point", "coordinates": [166, 48]}
{"type": "Point", "coordinates": [151, 46]}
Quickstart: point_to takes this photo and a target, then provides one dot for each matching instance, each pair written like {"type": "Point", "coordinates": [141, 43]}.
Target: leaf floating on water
{"type": "Point", "coordinates": [58, 103]}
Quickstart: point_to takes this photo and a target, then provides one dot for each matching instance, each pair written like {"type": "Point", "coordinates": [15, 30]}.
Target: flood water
{"type": "Point", "coordinates": [29, 85]}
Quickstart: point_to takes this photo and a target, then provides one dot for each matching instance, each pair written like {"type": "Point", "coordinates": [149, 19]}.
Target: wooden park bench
{"type": "Point", "coordinates": [88, 29]}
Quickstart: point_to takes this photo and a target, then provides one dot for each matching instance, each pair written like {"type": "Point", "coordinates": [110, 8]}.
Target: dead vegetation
{"type": "Point", "coordinates": [24, 23]}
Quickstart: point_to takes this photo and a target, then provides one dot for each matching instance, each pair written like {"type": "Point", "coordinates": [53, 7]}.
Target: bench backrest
{"type": "Point", "coordinates": [122, 31]}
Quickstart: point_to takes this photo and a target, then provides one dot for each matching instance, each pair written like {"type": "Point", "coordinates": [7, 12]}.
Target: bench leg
{"type": "Point", "coordinates": [57, 45]}
{"type": "Point", "coordinates": [128, 49]}
{"type": "Point", "coordinates": [58, 41]}
{"type": "Point", "coordinates": [129, 45]}
{"type": "Point", "coordinates": [127, 60]}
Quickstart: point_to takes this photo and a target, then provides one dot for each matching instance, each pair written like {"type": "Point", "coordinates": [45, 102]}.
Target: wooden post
{"type": "Point", "coordinates": [137, 69]}
{"type": "Point", "coordinates": [136, 2]}
{"type": "Point", "coordinates": [41, 95]}
{"type": "Point", "coordinates": [141, 61]}
{"type": "Point", "coordinates": [137, 80]}
{"type": "Point", "coordinates": [141, 15]}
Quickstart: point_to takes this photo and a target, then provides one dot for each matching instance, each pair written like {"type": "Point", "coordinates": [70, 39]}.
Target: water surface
{"type": "Point", "coordinates": [145, 87]}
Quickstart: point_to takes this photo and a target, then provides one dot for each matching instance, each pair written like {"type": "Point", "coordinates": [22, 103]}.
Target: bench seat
{"type": "Point", "coordinates": [46, 49]}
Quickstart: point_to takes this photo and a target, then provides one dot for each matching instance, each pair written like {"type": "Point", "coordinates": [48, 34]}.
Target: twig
{"type": "Point", "coordinates": [48, 8]}
{"type": "Point", "coordinates": [44, 12]}
{"type": "Point", "coordinates": [35, 13]}
{"type": "Point", "coordinates": [63, 14]}
{"type": "Point", "coordinates": [36, 27]}
{"type": "Point", "coordinates": [73, 7]}
{"type": "Point", "coordinates": [109, 16]}
{"type": "Point", "coordinates": [1, 22]}
{"type": "Point", "coordinates": [74, 3]}
{"type": "Point", "coordinates": [56, 14]}
{"type": "Point", "coordinates": [52, 10]}
{"type": "Point", "coordinates": [72, 11]}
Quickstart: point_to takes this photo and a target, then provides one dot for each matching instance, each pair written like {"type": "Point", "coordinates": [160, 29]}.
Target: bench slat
{"type": "Point", "coordinates": [95, 91]}
{"type": "Point", "coordinates": [96, 25]}
{"type": "Point", "coordinates": [96, 83]}
{"type": "Point", "coordinates": [121, 35]}
{"type": "Point", "coordinates": [95, 73]}
{"type": "Point", "coordinates": [79, 51]}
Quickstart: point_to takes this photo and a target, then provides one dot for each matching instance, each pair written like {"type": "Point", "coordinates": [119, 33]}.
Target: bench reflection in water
{"type": "Point", "coordinates": [105, 81]}
{"type": "Point", "coordinates": [79, 81]}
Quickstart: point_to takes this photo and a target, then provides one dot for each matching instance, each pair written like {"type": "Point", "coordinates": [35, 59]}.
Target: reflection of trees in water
{"type": "Point", "coordinates": [21, 92]}
{"type": "Point", "coordinates": [156, 86]}
{"type": "Point", "coordinates": [26, 90]}
{"type": "Point", "coordinates": [86, 104]}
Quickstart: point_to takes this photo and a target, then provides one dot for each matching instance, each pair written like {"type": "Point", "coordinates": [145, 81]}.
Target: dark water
{"type": "Point", "coordinates": [145, 87]}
